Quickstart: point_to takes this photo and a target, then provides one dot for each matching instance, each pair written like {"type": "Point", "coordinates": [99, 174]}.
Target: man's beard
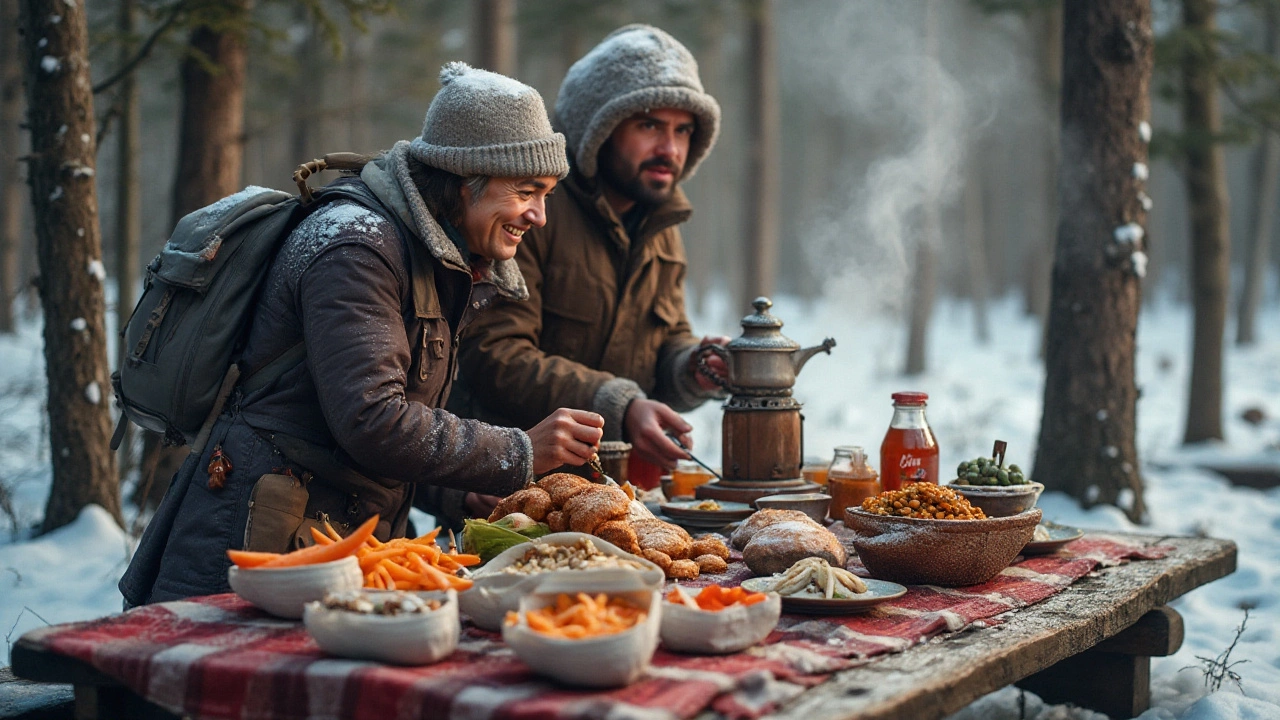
{"type": "Point", "coordinates": [628, 180]}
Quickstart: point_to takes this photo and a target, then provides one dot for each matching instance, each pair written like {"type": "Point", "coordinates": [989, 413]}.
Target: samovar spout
{"type": "Point", "coordinates": [801, 356]}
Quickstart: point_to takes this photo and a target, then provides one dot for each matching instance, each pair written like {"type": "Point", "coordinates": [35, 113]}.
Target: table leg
{"type": "Point", "coordinates": [104, 702]}
{"type": "Point", "coordinates": [1113, 677]}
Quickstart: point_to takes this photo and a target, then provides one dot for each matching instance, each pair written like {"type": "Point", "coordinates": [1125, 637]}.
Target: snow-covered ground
{"type": "Point", "coordinates": [977, 393]}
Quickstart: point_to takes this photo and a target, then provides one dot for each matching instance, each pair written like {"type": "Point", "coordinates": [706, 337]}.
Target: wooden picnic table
{"type": "Point", "coordinates": [1090, 644]}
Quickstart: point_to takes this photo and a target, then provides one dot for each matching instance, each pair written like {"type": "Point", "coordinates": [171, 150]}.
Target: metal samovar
{"type": "Point", "coordinates": [762, 434]}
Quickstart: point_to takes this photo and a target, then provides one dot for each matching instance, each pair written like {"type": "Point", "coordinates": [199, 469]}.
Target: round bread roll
{"type": "Point", "coordinates": [779, 546]}
{"type": "Point", "coordinates": [763, 519]}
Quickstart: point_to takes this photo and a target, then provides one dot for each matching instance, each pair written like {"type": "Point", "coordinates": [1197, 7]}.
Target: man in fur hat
{"type": "Point", "coordinates": [604, 327]}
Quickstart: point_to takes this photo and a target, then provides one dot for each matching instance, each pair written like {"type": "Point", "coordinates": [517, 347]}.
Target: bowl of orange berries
{"type": "Point", "coordinates": [715, 620]}
{"type": "Point", "coordinates": [925, 534]}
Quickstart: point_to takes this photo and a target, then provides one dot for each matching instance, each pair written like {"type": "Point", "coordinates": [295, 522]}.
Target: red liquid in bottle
{"type": "Point", "coordinates": [909, 452]}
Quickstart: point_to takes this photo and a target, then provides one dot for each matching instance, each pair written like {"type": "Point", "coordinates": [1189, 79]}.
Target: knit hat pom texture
{"type": "Point", "coordinates": [483, 123]}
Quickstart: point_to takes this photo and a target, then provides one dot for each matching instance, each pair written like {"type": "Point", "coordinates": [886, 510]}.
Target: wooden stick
{"type": "Point", "coordinates": [997, 452]}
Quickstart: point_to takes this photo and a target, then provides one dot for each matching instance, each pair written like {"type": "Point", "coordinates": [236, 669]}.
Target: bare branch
{"type": "Point", "coordinates": [144, 50]}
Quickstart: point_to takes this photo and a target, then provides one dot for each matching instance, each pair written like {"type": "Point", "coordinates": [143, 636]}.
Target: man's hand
{"type": "Point", "coordinates": [714, 362]}
{"type": "Point", "coordinates": [647, 423]}
{"type": "Point", "coordinates": [480, 506]}
{"type": "Point", "coordinates": [566, 437]}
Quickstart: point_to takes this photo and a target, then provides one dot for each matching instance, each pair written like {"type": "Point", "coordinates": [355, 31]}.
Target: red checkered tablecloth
{"type": "Point", "coordinates": [219, 657]}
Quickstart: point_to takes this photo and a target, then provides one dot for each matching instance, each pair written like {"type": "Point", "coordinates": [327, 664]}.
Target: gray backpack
{"type": "Point", "coordinates": [192, 320]}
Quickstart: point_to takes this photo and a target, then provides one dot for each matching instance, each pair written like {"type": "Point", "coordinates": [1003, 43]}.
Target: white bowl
{"type": "Point", "coordinates": [600, 662]}
{"type": "Point", "coordinates": [734, 628]}
{"type": "Point", "coordinates": [409, 639]}
{"type": "Point", "coordinates": [286, 591]}
{"type": "Point", "coordinates": [496, 593]}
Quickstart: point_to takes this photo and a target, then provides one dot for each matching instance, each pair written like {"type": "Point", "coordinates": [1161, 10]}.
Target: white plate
{"type": "Point", "coordinates": [809, 603]}
{"type": "Point", "coordinates": [1059, 535]}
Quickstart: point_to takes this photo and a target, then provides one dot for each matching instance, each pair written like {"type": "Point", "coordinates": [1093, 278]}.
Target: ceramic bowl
{"type": "Point", "coordinates": [738, 627]}
{"type": "Point", "coordinates": [284, 592]}
{"type": "Point", "coordinates": [950, 553]}
{"type": "Point", "coordinates": [409, 639]}
{"type": "Point", "coordinates": [815, 505]}
{"type": "Point", "coordinates": [1001, 500]}
{"type": "Point", "coordinates": [600, 662]}
{"type": "Point", "coordinates": [496, 593]}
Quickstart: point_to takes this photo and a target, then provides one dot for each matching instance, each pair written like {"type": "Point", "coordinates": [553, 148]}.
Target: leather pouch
{"type": "Point", "coordinates": [277, 515]}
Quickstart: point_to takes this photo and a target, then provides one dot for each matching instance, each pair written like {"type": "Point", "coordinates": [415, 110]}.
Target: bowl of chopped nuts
{"type": "Point", "coordinates": [520, 570]}
{"type": "Point", "coordinates": [402, 628]}
{"type": "Point", "coordinates": [926, 534]}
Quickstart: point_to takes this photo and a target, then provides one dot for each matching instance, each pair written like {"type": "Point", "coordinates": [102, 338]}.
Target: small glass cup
{"type": "Point", "coordinates": [687, 476]}
{"type": "Point", "coordinates": [814, 470]}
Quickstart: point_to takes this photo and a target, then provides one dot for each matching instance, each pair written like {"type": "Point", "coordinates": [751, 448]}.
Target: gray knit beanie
{"type": "Point", "coordinates": [634, 68]}
{"type": "Point", "coordinates": [483, 123]}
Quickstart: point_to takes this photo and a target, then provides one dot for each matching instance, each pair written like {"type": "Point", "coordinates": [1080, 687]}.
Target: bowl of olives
{"type": "Point", "coordinates": [999, 490]}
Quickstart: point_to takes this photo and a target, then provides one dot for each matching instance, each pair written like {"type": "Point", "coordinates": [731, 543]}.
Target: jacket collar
{"type": "Point", "coordinates": [586, 191]}
{"type": "Point", "coordinates": [388, 177]}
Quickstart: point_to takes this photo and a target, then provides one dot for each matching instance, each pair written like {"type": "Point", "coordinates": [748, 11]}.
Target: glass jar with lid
{"type": "Point", "coordinates": [850, 480]}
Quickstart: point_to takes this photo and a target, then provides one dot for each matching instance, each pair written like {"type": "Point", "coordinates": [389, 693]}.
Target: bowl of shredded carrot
{"type": "Point", "coordinates": [716, 620]}
{"type": "Point", "coordinates": [592, 637]}
{"type": "Point", "coordinates": [391, 626]}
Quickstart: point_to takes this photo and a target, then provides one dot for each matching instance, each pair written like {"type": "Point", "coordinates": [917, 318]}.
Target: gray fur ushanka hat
{"type": "Point", "coordinates": [636, 67]}
{"type": "Point", "coordinates": [483, 123]}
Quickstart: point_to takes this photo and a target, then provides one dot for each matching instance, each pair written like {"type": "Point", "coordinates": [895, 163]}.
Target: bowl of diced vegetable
{"type": "Point", "coordinates": [1001, 491]}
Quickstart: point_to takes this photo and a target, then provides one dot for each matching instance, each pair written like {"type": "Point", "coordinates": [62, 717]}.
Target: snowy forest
{"type": "Point", "coordinates": [1085, 265]}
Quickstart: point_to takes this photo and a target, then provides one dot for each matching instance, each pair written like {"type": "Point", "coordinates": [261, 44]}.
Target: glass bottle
{"type": "Point", "coordinates": [909, 452]}
{"type": "Point", "coordinates": [850, 480]}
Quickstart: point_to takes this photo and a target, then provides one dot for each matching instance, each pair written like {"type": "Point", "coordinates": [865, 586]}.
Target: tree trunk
{"type": "Point", "coordinates": [495, 33]}
{"type": "Point", "coordinates": [1266, 179]}
{"type": "Point", "coordinates": [1210, 241]}
{"type": "Point", "coordinates": [210, 158]}
{"type": "Point", "coordinates": [64, 198]}
{"type": "Point", "coordinates": [1087, 444]}
{"type": "Point", "coordinates": [1039, 266]}
{"type": "Point", "coordinates": [976, 252]}
{"type": "Point", "coordinates": [307, 136]}
{"type": "Point", "coordinates": [10, 173]}
{"type": "Point", "coordinates": [763, 140]}
{"type": "Point", "coordinates": [923, 281]}
{"type": "Point", "coordinates": [128, 197]}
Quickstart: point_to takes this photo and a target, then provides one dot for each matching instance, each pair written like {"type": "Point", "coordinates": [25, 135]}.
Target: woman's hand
{"type": "Point", "coordinates": [566, 437]}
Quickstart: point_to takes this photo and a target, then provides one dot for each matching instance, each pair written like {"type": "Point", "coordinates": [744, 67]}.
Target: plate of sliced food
{"type": "Point", "coordinates": [707, 511]}
{"type": "Point", "coordinates": [1050, 537]}
{"type": "Point", "coordinates": [813, 586]}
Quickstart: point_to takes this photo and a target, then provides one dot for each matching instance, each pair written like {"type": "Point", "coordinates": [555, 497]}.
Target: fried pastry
{"type": "Point", "coordinates": [711, 564]}
{"type": "Point", "coordinates": [763, 519]}
{"type": "Point", "coordinates": [562, 486]}
{"type": "Point", "coordinates": [664, 537]}
{"type": "Point", "coordinates": [620, 533]}
{"type": "Point", "coordinates": [594, 506]}
{"type": "Point", "coordinates": [557, 522]}
{"type": "Point", "coordinates": [532, 501]}
{"type": "Point", "coordinates": [709, 545]}
{"type": "Point", "coordinates": [682, 570]}
{"type": "Point", "coordinates": [657, 557]}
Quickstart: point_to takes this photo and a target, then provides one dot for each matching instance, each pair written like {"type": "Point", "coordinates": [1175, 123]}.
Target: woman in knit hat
{"type": "Point", "coordinates": [371, 292]}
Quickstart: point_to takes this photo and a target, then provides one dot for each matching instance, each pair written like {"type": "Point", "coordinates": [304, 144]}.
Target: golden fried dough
{"type": "Point", "coordinates": [620, 533]}
{"type": "Point", "coordinates": [709, 545]}
{"type": "Point", "coordinates": [594, 506]}
{"type": "Point", "coordinates": [682, 570]}
{"type": "Point", "coordinates": [781, 545]}
{"type": "Point", "coordinates": [557, 522]}
{"type": "Point", "coordinates": [763, 519]}
{"type": "Point", "coordinates": [562, 486]}
{"type": "Point", "coordinates": [657, 557]}
{"type": "Point", "coordinates": [663, 537]}
{"type": "Point", "coordinates": [711, 564]}
{"type": "Point", "coordinates": [532, 501]}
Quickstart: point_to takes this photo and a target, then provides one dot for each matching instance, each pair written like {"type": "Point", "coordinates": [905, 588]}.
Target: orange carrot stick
{"type": "Point", "coordinates": [250, 559]}
{"type": "Point", "coordinates": [326, 553]}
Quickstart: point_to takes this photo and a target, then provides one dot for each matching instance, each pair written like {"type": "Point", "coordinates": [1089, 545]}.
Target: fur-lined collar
{"type": "Point", "coordinates": [388, 177]}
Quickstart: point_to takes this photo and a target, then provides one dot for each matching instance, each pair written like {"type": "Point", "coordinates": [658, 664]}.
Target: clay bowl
{"type": "Point", "coordinates": [950, 553]}
{"type": "Point", "coordinates": [1001, 500]}
{"type": "Point", "coordinates": [812, 504]}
